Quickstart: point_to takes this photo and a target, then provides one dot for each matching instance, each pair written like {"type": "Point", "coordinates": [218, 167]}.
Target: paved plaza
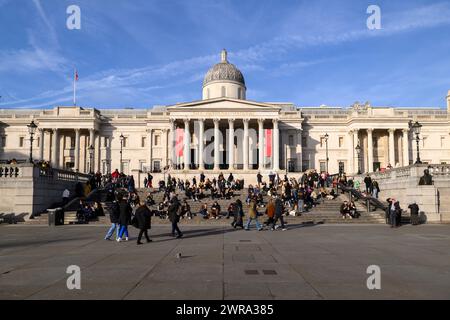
{"type": "Point", "coordinates": [305, 262]}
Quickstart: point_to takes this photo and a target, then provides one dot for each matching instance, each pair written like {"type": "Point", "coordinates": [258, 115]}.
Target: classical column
{"type": "Point", "coordinates": [261, 143]}
{"type": "Point", "coordinates": [91, 143]}
{"type": "Point", "coordinates": [276, 146]}
{"type": "Point", "coordinates": [391, 147]}
{"type": "Point", "coordinates": [55, 140]}
{"type": "Point", "coordinates": [370, 149]}
{"type": "Point", "coordinates": [245, 146]}
{"type": "Point", "coordinates": [357, 161]}
{"type": "Point", "coordinates": [187, 144]}
{"type": "Point", "coordinates": [406, 147]}
{"type": "Point", "coordinates": [165, 143]}
{"type": "Point", "coordinates": [172, 147]}
{"type": "Point", "coordinates": [351, 153]}
{"type": "Point", "coordinates": [231, 144]}
{"type": "Point", "coordinates": [201, 146]}
{"type": "Point", "coordinates": [41, 144]}
{"type": "Point", "coordinates": [216, 145]}
{"type": "Point", "coordinates": [77, 149]}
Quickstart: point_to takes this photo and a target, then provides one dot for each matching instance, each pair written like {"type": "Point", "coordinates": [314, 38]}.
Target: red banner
{"type": "Point", "coordinates": [268, 141]}
{"type": "Point", "coordinates": [179, 142]}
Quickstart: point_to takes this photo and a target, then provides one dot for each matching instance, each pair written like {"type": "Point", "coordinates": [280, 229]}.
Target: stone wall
{"type": "Point", "coordinates": [403, 185]}
{"type": "Point", "coordinates": [26, 190]}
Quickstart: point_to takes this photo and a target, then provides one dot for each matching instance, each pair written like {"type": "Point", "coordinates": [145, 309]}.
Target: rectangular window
{"type": "Point", "coordinates": [291, 141]}
{"type": "Point", "coordinates": [322, 142]}
{"type": "Point", "coordinates": [323, 166]}
{"type": "Point", "coordinates": [341, 167]}
{"type": "Point", "coordinates": [156, 166]}
{"type": "Point", "coordinates": [157, 140]}
{"type": "Point", "coordinates": [38, 142]}
{"type": "Point", "coordinates": [141, 165]}
{"type": "Point", "coordinates": [424, 142]}
{"type": "Point", "coordinates": [105, 142]}
{"type": "Point", "coordinates": [341, 142]}
{"type": "Point", "coordinates": [3, 141]}
{"type": "Point", "coordinates": [305, 165]}
{"type": "Point", "coordinates": [125, 142]}
{"type": "Point", "coordinates": [21, 141]}
{"type": "Point", "coordinates": [143, 142]}
{"type": "Point", "coordinates": [442, 141]}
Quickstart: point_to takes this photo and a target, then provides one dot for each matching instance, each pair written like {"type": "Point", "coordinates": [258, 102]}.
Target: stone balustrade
{"type": "Point", "coordinates": [26, 189]}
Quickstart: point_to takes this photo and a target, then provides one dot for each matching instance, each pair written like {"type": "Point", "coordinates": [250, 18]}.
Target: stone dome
{"type": "Point", "coordinates": [224, 71]}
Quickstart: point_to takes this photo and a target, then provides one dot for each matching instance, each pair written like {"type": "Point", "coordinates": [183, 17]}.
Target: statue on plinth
{"type": "Point", "coordinates": [426, 179]}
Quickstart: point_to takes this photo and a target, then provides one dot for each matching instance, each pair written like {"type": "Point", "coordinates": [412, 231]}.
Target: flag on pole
{"type": "Point", "coordinates": [268, 140]}
{"type": "Point", "coordinates": [75, 79]}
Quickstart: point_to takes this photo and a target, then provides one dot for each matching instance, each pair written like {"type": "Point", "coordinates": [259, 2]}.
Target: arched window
{"type": "Point", "coordinates": [224, 92]}
{"type": "Point", "coordinates": [207, 93]}
{"type": "Point", "coordinates": [240, 93]}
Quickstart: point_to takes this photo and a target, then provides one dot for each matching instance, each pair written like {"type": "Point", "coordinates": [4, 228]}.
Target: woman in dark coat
{"type": "Point", "coordinates": [124, 218]}
{"type": "Point", "coordinates": [174, 217]}
{"type": "Point", "coordinates": [114, 217]}
{"type": "Point", "coordinates": [143, 217]}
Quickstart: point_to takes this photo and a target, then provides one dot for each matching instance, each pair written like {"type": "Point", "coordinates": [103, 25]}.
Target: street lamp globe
{"type": "Point", "coordinates": [326, 136]}
{"type": "Point", "coordinates": [32, 128]}
{"type": "Point", "coordinates": [358, 150]}
{"type": "Point", "coordinates": [416, 128]}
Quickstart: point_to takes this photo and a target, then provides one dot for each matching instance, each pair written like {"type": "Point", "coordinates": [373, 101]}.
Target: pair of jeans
{"type": "Point", "coordinates": [123, 230]}
{"type": "Point", "coordinates": [175, 228]}
{"type": "Point", "coordinates": [114, 226]}
{"type": "Point", "coordinates": [258, 225]}
{"type": "Point", "coordinates": [375, 193]}
{"type": "Point", "coordinates": [393, 218]}
{"type": "Point", "coordinates": [300, 206]}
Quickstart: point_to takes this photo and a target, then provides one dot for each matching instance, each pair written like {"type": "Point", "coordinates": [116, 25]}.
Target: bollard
{"type": "Point", "coordinates": [51, 217]}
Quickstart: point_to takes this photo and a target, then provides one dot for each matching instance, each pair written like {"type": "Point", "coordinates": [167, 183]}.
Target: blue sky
{"type": "Point", "coordinates": [143, 53]}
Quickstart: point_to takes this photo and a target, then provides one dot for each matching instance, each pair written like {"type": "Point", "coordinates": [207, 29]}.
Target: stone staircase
{"type": "Point", "coordinates": [325, 212]}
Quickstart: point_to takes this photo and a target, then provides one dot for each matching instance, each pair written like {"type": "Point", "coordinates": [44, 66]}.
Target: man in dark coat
{"type": "Point", "coordinates": [368, 183]}
{"type": "Point", "coordinates": [174, 217]}
{"type": "Point", "coordinates": [143, 217]}
{"type": "Point", "coordinates": [278, 214]}
{"type": "Point", "coordinates": [124, 218]}
{"type": "Point", "coordinates": [259, 179]}
{"type": "Point", "coordinates": [414, 213]}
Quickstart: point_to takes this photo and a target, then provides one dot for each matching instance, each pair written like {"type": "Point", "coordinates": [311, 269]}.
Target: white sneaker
{"type": "Point", "coordinates": [118, 239]}
{"type": "Point", "coordinates": [284, 229]}
{"type": "Point", "coordinates": [126, 239]}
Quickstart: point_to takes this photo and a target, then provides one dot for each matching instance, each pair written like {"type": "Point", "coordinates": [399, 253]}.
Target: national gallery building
{"type": "Point", "coordinates": [225, 132]}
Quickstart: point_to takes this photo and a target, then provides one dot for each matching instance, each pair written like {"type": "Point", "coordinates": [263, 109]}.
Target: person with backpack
{"type": "Point", "coordinates": [278, 214]}
{"type": "Point", "coordinates": [238, 215]}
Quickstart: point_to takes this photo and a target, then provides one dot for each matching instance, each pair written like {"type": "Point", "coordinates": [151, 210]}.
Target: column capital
{"type": "Point", "coordinates": [186, 120]}
{"type": "Point", "coordinates": [54, 130]}
{"type": "Point", "coordinates": [275, 121]}
{"type": "Point", "coordinates": [391, 131]}
{"type": "Point", "coordinates": [201, 119]}
{"type": "Point", "coordinates": [216, 120]}
{"type": "Point", "coordinates": [261, 121]}
{"type": "Point", "coordinates": [231, 120]}
{"type": "Point", "coordinates": [406, 130]}
{"type": "Point", "coordinates": [162, 130]}
{"type": "Point", "coordinates": [246, 120]}
{"type": "Point", "coordinates": [369, 130]}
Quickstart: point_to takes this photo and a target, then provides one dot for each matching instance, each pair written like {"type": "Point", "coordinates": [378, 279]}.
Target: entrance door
{"type": "Point", "coordinates": [376, 166]}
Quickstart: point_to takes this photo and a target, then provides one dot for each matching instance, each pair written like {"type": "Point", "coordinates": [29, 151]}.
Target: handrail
{"type": "Point", "coordinates": [369, 200]}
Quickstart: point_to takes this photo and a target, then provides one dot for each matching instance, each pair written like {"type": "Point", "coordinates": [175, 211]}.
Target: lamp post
{"type": "Point", "coordinates": [358, 152]}
{"type": "Point", "coordinates": [416, 129]}
{"type": "Point", "coordinates": [32, 130]}
{"type": "Point", "coordinates": [326, 149]}
{"type": "Point", "coordinates": [91, 158]}
{"type": "Point", "coordinates": [122, 138]}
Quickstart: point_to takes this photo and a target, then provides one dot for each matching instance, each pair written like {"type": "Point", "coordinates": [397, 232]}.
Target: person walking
{"type": "Point", "coordinates": [270, 211]}
{"type": "Point", "coordinates": [143, 217]}
{"type": "Point", "coordinates": [114, 218]}
{"type": "Point", "coordinates": [393, 213]}
{"type": "Point", "coordinates": [278, 214]}
{"type": "Point", "coordinates": [174, 217]}
{"type": "Point", "coordinates": [238, 215]}
{"type": "Point", "coordinates": [124, 218]}
{"type": "Point", "coordinates": [65, 196]}
{"type": "Point", "coordinates": [252, 215]}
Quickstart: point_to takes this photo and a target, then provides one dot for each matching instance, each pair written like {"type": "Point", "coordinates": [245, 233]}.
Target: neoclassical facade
{"type": "Point", "coordinates": [226, 132]}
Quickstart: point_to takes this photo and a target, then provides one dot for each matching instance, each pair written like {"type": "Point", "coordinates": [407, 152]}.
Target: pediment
{"type": "Point", "coordinates": [224, 104]}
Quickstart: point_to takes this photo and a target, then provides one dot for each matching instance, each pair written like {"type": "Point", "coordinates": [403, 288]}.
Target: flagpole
{"type": "Point", "coordinates": [74, 87]}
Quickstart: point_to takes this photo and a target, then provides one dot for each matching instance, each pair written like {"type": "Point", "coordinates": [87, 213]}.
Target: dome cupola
{"type": "Point", "coordinates": [224, 80]}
